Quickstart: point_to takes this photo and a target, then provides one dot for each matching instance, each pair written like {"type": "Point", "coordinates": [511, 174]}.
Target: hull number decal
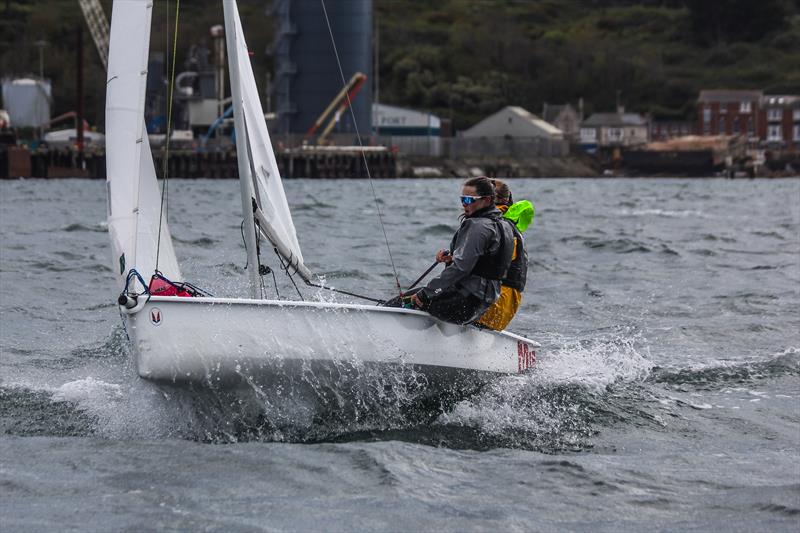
{"type": "Point", "coordinates": [155, 316]}
{"type": "Point", "coordinates": [526, 357]}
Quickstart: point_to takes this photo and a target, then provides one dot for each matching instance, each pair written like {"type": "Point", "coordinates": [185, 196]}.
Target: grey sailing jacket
{"type": "Point", "coordinates": [478, 235]}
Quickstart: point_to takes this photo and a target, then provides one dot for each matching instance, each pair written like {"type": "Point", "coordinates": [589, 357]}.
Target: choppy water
{"type": "Point", "coordinates": [667, 394]}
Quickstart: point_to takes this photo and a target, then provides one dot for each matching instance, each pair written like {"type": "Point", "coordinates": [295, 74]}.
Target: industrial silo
{"type": "Point", "coordinates": [307, 75]}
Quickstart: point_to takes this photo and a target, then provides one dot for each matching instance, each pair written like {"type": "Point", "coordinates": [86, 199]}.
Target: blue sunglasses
{"type": "Point", "coordinates": [467, 200]}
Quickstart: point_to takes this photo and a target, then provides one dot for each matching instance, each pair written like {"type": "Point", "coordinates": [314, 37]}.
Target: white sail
{"type": "Point", "coordinates": [254, 145]}
{"type": "Point", "coordinates": [134, 200]}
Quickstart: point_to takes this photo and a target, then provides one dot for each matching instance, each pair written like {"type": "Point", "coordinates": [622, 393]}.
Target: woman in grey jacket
{"type": "Point", "coordinates": [480, 257]}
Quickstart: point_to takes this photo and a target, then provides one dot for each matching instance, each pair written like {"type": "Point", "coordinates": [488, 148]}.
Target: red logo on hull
{"type": "Point", "coordinates": [155, 316]}
{"type": "Point", "coordinates": [526, 357]}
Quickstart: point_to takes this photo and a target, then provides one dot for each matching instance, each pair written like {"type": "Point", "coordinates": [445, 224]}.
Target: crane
{"type": "Point", "coordinates": [340, 103]}
{"type": "Point", "coordinates": [98, 27]}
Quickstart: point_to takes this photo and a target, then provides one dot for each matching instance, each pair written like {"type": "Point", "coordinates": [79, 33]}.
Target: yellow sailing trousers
{"type": "Point", "coordinates": [503, 310]}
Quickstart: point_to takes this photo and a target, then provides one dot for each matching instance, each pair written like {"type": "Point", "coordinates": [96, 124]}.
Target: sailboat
{"type": "Point", "coordinates": [180, 335]}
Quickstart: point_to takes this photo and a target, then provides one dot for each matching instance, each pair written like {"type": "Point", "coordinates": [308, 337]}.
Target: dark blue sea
{"type": "Point", "coordinates": [666, 396]}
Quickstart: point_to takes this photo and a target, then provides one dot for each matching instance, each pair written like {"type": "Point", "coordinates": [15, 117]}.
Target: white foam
{"type": "Point", "coordinates": [517, 403]}
{"type": "Point", "coordinates": [88, 389]}
{"type": "Point", "coordinates": [134, 409]}
{"type": "Point", "coordinates": [595, 364]}
{"type": "Point", "coordinates": [662, 213]}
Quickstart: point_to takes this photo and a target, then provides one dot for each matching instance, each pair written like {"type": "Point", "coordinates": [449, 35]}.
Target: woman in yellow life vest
{"type": "Point", "coordinates": [519, 215]}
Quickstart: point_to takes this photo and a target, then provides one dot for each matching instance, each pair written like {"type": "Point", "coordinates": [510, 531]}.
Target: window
{"type": "Point", "coordinates": [736, 125]}
{"type": "Point", "coordinates": [615, 134]}
{"type": "Point", "coordinates": [722, 126]}
{"type": "Point", "coordinates": [774, 113]}
{"type": "Point", "coordinates": [588, 135]}
{"type": "Point", "coordinates": [707, 115]}
{"type": "Point", "coordinates": [750, 128]}
{"type": "Point", "coordinates": [796, 115]}
{"type": "Point", "coordinates": [745, 107]}
{"type": "Point", "coordinates": [774, 132]}
{"type": "Point", "coordinates": [797, 132]}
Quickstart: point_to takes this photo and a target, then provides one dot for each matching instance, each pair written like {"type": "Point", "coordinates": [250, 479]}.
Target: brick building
{"type": "Point", "coordinates": [772, 121]}
{"type": "Point", "coordinates": [724, 112]}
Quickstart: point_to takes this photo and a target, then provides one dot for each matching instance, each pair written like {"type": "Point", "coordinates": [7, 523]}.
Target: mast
{"type": "Point", "coordinates": [245, 178]}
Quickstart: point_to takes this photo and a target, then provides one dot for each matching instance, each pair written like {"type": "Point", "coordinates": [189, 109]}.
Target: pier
{"type": "Point", "coordinates": [303, 162]}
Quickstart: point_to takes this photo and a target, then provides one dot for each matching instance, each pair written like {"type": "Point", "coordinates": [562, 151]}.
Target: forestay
{"type": "Point", "coordinates": [134, 202]}
{"type": "Point", "coordinates": [256, 158]}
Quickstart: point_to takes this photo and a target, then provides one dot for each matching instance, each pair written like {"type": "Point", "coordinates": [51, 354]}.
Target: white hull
{"type": "Point", "coordinates": [207, 339]}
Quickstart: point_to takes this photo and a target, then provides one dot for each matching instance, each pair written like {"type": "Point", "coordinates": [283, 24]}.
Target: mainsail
{"type": "Point", "coordinates": [258, 170]}
{"type": "Point", "coordinates": [134, 202]}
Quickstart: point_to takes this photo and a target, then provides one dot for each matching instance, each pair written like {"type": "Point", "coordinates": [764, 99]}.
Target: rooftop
{"type": "Point", "coordinates": [787, 100]}
{"type": "Point", "coordinates": [527, 115]}
{"type": "Point", "coordinates": [728, 95]}
{"type": "Point", "coordinates": [615, 119]}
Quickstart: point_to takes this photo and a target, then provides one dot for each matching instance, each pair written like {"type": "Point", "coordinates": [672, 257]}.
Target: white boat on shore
{"type": "Point", "coordinates": [204, 339]}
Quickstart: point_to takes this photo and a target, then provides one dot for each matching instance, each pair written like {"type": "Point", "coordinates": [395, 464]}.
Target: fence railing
{"type": "Point", "coordinates": [450, 147]}
{"type": "Point", "coordinates": [466, 147]}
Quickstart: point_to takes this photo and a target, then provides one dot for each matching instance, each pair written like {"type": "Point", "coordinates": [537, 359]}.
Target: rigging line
{"type": "Point", "coordinates": [376, 300]}
{"type": "Point", "coordinates": [285, 268]}
{"type": "Point", "coordinates": [164, 188]}
{"type": "Point", "coordinates": [244, 241]}
{"type": "Point", "coordinates": [258, 260]}
{"type": "Point", "coordinates": [275, 281]}
{"type": "Point", "coordinates": [361, 144]}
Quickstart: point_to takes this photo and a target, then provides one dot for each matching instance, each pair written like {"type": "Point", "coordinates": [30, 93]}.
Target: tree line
{"type": "Point", "coordinates": [465, 59]}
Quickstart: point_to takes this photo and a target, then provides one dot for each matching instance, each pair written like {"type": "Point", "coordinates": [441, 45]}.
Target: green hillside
{"type": "Point", "coordinates": [464, 59]}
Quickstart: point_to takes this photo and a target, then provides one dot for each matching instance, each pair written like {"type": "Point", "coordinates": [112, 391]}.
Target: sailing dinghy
{"type": "Point", "coordinates": [204, 339]}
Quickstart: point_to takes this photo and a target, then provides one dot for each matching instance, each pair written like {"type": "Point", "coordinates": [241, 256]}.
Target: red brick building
{"type": "Point", "coordinates": [724, 112]}
{"type": "Point", "coordinates": [772, 121]}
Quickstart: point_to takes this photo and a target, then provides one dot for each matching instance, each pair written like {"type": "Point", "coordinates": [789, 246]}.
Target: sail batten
{"type": "Point", "coordinates": [261, 168]}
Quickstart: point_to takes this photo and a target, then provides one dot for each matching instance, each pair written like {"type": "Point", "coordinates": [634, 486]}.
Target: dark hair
{"type": "Point", "coordinates": [483, 185]}
{"type": "Point", "coordinates": [502, 194]}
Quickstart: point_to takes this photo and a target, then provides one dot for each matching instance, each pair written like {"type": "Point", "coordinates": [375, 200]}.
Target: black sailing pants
{"type": "Point", "coordinates": [448, 305]}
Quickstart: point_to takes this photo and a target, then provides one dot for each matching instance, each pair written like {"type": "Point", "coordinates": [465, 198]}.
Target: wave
{"type": "Point", "coordinates": [202, 242]}
{"type": "Point", "coordinates": [100, 227]}
{"type": "Point", "coordinates": [722, 375]}
{"type": "Point", "coordinates": [558, 406]}
{"type": "Point", "coordinates": [574, 389]}
{"type": "Point", "coordinates": [712, 237]}
{"type": "Point", "coordinates": [346, 273]}
{"type": "Point", "coordinates": [772, 234]}
{"type": "Point", "coordinates": [436, 229]}
{"type": "Point", "coordinates": [578, 389]}
{"type": "Point", "coordinates": [623, 246]}
{"type": "Point", "coordinates": [115, 346]}
{"type": "Point", "coordinates": [30, 413]}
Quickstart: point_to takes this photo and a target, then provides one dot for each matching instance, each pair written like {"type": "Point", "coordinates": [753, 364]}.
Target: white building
{"type": "Point", "coordinates": [514, 122]}
{"type": "Point", "coordinates": [410, 131]}
{"type": "Point", "coordinates": [614, 129]}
